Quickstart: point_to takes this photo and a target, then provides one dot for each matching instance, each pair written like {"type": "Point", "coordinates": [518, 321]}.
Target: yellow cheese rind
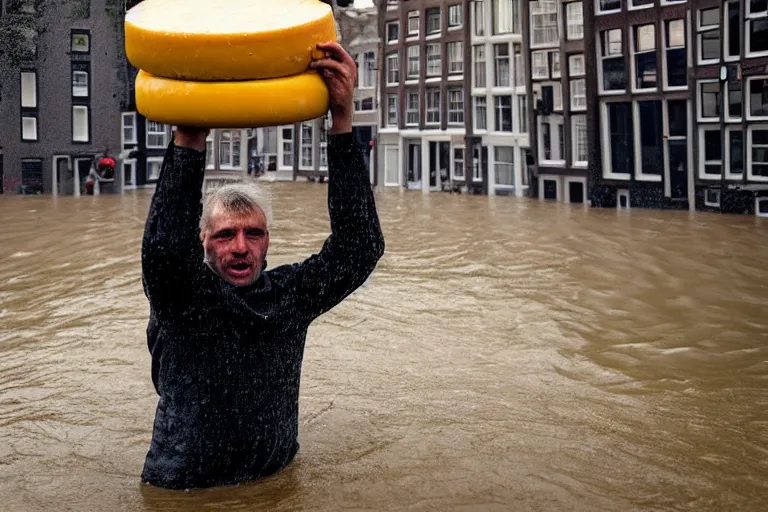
{"type": "Point", "coordinates": [242, 104]}
{"type": "Point", "coordinates": [215, 40]}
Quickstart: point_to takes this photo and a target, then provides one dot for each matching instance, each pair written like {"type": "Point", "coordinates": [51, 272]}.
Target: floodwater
{"type": "Point", "coordinates": [506, 355]}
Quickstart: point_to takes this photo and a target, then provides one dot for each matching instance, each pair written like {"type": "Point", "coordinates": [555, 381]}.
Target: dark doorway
{"type": "Point", "coordinates": [31, 177]}
{"type": "Point", "coordinates": [550, 189]}
{"type": "Point", "coordinates": [576, 192]}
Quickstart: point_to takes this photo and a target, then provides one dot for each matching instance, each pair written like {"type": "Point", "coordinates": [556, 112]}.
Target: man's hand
{"type": "Point", "coordinates": [339, 70]}
{"type": "Point", "coordinates": [190, 137]}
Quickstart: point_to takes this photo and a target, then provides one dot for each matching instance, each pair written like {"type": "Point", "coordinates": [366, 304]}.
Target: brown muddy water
{"type": "Point", "coordinates": [506, 355]}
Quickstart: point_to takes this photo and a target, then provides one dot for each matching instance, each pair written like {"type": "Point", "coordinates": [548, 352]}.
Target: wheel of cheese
{"type": "Point", "coordinates": [232, 104]}
{"type": "Point", "coordinates": [226, 39]}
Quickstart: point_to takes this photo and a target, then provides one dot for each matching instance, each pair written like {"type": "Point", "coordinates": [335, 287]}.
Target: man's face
{"type": "Point", "coordinates": [236, 245]}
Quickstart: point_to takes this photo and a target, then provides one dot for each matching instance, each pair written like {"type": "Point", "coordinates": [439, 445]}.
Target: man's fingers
{"type": "Point", "coordinates": [337, 51]}
{"type": "Point", "coordinates": [330, 65]}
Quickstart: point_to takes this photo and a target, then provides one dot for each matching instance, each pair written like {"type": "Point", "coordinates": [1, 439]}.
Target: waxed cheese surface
{"type": "Point", "coordinates": [215, 40]}
{"type": "Point", "coordinates": [225, 16]}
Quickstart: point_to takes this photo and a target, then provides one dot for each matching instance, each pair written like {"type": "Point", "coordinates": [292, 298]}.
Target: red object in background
{"type": "Point", "coordinates": [107, 162]}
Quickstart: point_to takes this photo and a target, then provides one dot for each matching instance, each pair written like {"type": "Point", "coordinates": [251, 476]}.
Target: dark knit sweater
{"type": "Point", "coordinates": [226, 360]}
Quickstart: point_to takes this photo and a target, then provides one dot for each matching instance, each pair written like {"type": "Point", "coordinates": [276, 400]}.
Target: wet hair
{"type": "Point", "coordinates": [240, 198]}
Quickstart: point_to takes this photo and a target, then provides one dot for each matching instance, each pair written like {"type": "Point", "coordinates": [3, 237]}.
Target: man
{"type": "Point", "coordinates": [226, 335]}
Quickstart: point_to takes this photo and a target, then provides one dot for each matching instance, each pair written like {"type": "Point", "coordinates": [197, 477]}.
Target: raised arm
{"type": "Point", "coordinates": [171, 251]}
{"type": "Point", "coordinates": [356, 243]}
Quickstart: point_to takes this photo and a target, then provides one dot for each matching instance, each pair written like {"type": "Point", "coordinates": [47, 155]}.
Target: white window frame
{"type": "Point", "coordinates": [599, 12]}
{"type": "Point", "coordinates": [558, 186]}
{"type": "Point", "coordinates": [576, 94]}
{"type": "Point", "coordinates": [479, 66]}
{"type": "Point", "coordinates": [702, 163]}
{"type": "Point", "coordinates": [667, 137]}
{"type": "Point", "coordinates": [130, 162]}
{"type": "Point", "coordinates": [560, 162]}
{"type": "Point", "coordinates": [456, 116]}
{"type": "Point", "coordinates": [29, 128]}
{"type": "Point", "coordinates": [455, 16]}
{"type": "Point", "coordinates": [601, 58]}
{"type": "Point", "coordinates": [477, 170]}
{"type": "Point", "coordinates": [413, 19]}
{"type": "Point", "coordinates": [632, 7]}
{"type": "Point", "coordinates": [432, 101]}
{"type": "Point", "coordinates": [759, 200]}
{"type": "Point", "coordinates": [707, 28]}
{"type": "Point", "coordinates": [746, 106]}
{"type": "Point", "coordinates": [393, 69]}
{"type": "Point", "coordinates": [539, 63]}
{"type": "Point", "coordinates": [574, 28]}
{"type": "Point", "coordinates": [522, 113]}
{"type": "Point", "coordinates": [496, 163]}
{"type": "Point", "coordinates": [29, 89]}
{"type": "Point", "coordinates": [387, 150]}
{"type": "Point", "coordinates": [132, 126]}
{"type": "Point", "coordinates": [567, 190]}
{"type": "Point", "coordinates": [413, 69]}
{"type": "Point", "coordinates": [434, 59]}
{"type": "Point", "coordinates": [455, 176]}
{"type": "Point", "coordinates": [367, 78]}
{"type": "Point", "coordinates": [727, 157]}
{"type": "Point", "coordinates": [749, 145]}
{"type": "Point", "coordinates": [497, 111]}
{"type": "Point", "coordinates": [86, 137]}
{"type": "Point", "coordinates": [633, 52]}
{"type": "Point", "coordinates": [712, 204]}
{"type": "Point", "coordinates": [605, 135]}
{"type": "Point", "coordinates": [498, 59]}
{"type": "Point", "coordinates": [478, 18]}
{"type": "Point", "coordinates": [727, 31]}
{"type": "Point", "coordinates": [544, 10]}
{"type": "Point", "coordinates": [285, 143]}
{"type": "Point", "coordinates": [727, 103]}
{"type": "Point", "coordinates": [575, 142]}
{"type": "Point", "coordinates": [638, 163]}
{"type": "Point", "coordinates": [390, 105]}
{"type": "Point", "coordinates": [409, 110]}
{"type": "Point", "coordinates": [389, 24]}
{"type": "Point", "coordinates": [80, 93]}
{"type": "Point", "coordinates": [304, 145]}
{"type": "Point", "coordinates": [700, 104]}
{"type": "Point", "coordinates": [148, 133]}
{"type": "Point", "coordinates": [476, 117]}
{"type": "Point", "coordinates": [750, 17]}
{"type": "Point", "coordinates": [455, 54]}
{"type": "Point", "coordinates": [153, 160]}
{"type": "Point", "coordinates": [665, 48]}
{"type": "Point", "coordinates": [439, 29]}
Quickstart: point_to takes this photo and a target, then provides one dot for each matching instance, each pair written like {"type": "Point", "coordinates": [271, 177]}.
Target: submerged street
{"type": "Point", "coordinates": [506, 354]}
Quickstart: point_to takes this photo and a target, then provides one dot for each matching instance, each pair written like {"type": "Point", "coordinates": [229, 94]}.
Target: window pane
{"type": "Point", "coordinates": [677, 114]}
{"type": "Point", "coordinates": [736, 151]}
{"type": "Point", "coordinates": [758, 97]}
{"type": "Point", "coordinates": [621, 137]}
{"type": "Point", "coordinates": [650, 123]}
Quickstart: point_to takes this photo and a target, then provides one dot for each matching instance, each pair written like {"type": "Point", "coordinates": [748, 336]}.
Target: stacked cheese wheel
{"type": "Point", "coordinates": [228, 63]}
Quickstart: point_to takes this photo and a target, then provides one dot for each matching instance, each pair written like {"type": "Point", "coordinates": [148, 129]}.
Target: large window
{"type": "Point", "coordinates": [506, 16]}
{"type": "Point", "coordinates": [433, 20]}
{"type": "Point", "coordinates": [478, 15]}
{"type": "Point", "coordinates": [544, 23]}
{"type": "Point", "coordinates": [393, 69]}
{"type": "Point", "coordinates": [522, 113]}
{"type": "Point", "coordinates": [503, 109]}
{"type": "Point", "coordinates": [504, 165]}
{"type": "Point", "coordinates": [479, 65]}
{"type": "Point", "coordinates": [710, 152]}
{"type": "Point", "coordinates": [576, 72]}
{"type": "Point", "coordinates": [455, 57]}
{"type": "Point", "coordinates": [369, 68]}
{"type": "Point", "coordinates": [29, 128]}
{"type": "Point", "coordinates": [580, 145]}
{"type": "Point", "coordinates": [606, 6]}
{"type": "Point", "coordinates": [756, 27]}
{"type": "Point", "coordinates": [574, 19]}
{"type": "Point", "coordinates": [758, 97]}
{"type": "Point", "coordinates": [709, 100]}
{"type": "Point", "coordinates": [413, 23]}
{"type": "Point", "coordinates": [458, 163]}
{"type": "Point", "coordinates": [286, 143]}
{"type": "Point", "coordinates": [456, 105]}
{"type": "Point", "coordinates": [676, 147]}
{"type": "Point", "coordinates": [392, 110]}
{"type": "Point", "coordinates": [650, 133]}
{"type": "Point", "coordinates": [455, 16]}
{"type": "Point", "coordinates": [433, 105]}
{"type": "Point", "coordinates": [674, 44]}
{"type": "Point", "coordinates": [157, 135]}
{"type": "Point", "coordinates": [618, 140]}
{"type": "Point", "coordinates": [413, 61]}
{"type": "Point", "coordinates": [434, 60]}
{"type": "Point", "coordinates": [733, 30]}
{"type": "Point", "coordinates": [393, 31]}
{"type": "Point", "coordinates": [612, 65]}
{"type": "Point", "coordinates": [644, 49]}
{"type": "Point", "coordinates": [481, 113]}
{"type": "Point", "coordinates": [757, 144]}
{"type": "Point", "coordinates": [708, 31]}
{"type": "Point", "coordinates": [501, 68]}
{"type": "Point", "coordinates": [412, 108]}
{"type": "Point", "coordinates": [80, 123]}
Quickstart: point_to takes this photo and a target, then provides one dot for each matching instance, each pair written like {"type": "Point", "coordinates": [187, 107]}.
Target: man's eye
{"type": "Point", "coordinates": [255, 233]}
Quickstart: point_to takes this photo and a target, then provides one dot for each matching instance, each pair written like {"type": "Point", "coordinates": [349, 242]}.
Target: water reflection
{"type": "Point", "coordinates": [505, 354]}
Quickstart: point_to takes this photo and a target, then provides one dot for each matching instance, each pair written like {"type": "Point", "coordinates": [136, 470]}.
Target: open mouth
{"type": "Point", "coordinates": [239, 268]}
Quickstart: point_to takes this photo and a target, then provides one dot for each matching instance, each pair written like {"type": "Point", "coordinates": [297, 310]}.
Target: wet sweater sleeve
{"type": "Point", "coordinates": [171, 252]}
{"type": "Point", "coordinates": [356, 243]}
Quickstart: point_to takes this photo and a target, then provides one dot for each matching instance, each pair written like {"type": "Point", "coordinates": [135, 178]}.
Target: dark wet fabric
{"type": "Point", "coordinates": [226, 360]}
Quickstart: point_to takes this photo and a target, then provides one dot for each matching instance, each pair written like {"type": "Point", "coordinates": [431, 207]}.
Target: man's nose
{"type": "Point", "coordinates": [240, 244]}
